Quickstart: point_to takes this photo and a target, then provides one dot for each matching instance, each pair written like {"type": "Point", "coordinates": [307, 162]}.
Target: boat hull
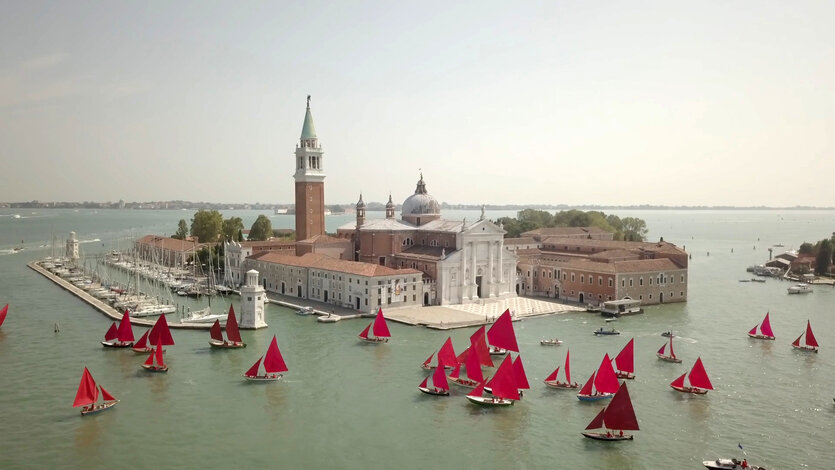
{"type": "Point", "coordinates": [668, 358]}
{"type": "Point", "coordinates": [491, 402]}
{"type": "Point", "coordinates": [624, 375]}
{"type": "Point", "coordinates": [143, 350]}
{"type": "Point", "coordinates": [728, 464]}
{"type": "Point", "coordinates": [116, 344]}
{"type": "Point", "coordinates": [434, 391]}
{"type": "Point", "coordinates": [606, 333]}
{"type": "Point", "coordinates": [602, 436]}
{"type": "Point", "coordinates": [373, 340]}
{"type": "Point", "coordinates": [155, 368]}
{"type": "Point", "coordinates": [806, 348]}
{"type": "Point", "coordinates": [562, 385]}
{"type": "Point", "coordinates": [602, 396]}
{"type": "Point", "coordinates": [550, 342]}
{"type": "Point", "coordinates": [463, 382]}
{"type": "Point", "coordinates": [226, 345]}
{"type": "Point", "coordinates": [693, 390]}
{"type": "Point", "coordinates": [99, 408]}
{"type": "Point", "coordinates": [264, 378]}
{"type": "Point", "coordinates": [494, 351]}
{"type": "Point", "coordinates": [760, 336]}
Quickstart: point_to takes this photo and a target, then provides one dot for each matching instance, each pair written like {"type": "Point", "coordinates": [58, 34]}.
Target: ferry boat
{"type": "Point", "coordinates": [624, 306]}
{"type": "Point", "coordinates": [801, 288]}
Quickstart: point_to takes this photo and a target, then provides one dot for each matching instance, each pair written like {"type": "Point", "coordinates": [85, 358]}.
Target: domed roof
{"type": "Point", "coordinates": [421, 203]}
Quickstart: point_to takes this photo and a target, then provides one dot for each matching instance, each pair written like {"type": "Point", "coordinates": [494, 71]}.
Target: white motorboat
{"type": "Point", "coordinates": [801, 288]}
{"type": "Point", "coordinates": [550, 342]}
{"type": "Point", "coordinates": [730, 464]}
{"type": "Point", "coordinates": [304, 311]}
{"type": "Point", "coordinates": [204, 315]}
{"type": "Point", "coordinates": [150, 310]}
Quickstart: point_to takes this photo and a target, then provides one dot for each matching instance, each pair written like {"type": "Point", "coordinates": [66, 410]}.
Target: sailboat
{"type": "Point", "coordinates": [505, 391]}
{"type": "Point", "coordinates": [446, 355]}
{"type": "Point", "coordinates": [141, 346]}
{"type": "Point", "coordinates": [520, 375]}
{"type": "Point", "coordinates": [478, 344]}
{"type": "Point", "coordinates": [155, 363]}
{"type": "Point", "coordinates": [123, 335]}
{"type": "Point", "coordinates": [765, 330]}
{"type": "Point", "coordinates": [501, 336]}
{"type": "Point", "coordinates": [88, 394]}
{"type": "Point", "coordinates": [809, 342]}
{"type": "Point", "coordinates": [699, 381]}
{"type": "Point", "coordinates": [602, 384]}
{"type": "Point", "coordinates": [273, 365]}
{"type": "Point", "coordinates": [160, 333]}
{"type": "Point", "coordinates": [553, 381]}
{"type": "Point", "coordinates": [3, 313]}
{"type": "Point", "coordinates": [625, 361]}
{"type": "Point", "coordinates": [474, 375]}
{"type": "Point", "coordinates": [380, 332]}
{"type": "Point", "coordinates": [440, 386]}
{"type": "Point", "coordinates": [667, 357]}
{"type": "Point", "coordinates": [232, 333]}
{"type": "Point", "coordinates": [619, 415]}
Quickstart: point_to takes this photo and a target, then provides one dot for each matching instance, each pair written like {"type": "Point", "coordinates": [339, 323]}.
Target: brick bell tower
{"type": "Point", "coordinates": [310, 182]}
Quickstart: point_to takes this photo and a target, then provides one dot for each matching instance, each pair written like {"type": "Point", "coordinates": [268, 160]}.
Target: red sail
{"type": "Point", "coordinates": [422, 384]}
{"type": "Point", "coordinates": [662, 348]}
{"type": "Point", "coordinates": [381, 329]}
{"type": "Point", "coordinates": [597, 422]}
{"type": "Point", "coordinates": [606, 380]}
{"type": "Point", "coordinates": [620, 414]}
{"type": "Point", "coordinates": [625, 360]}
{"type": "Point", "coordinates": [478, 344]}
{"type": "Point", "coordinates": [455, 372]}
{"type": "Point", "coordinates": [504, 382]}
{"type": "Point", "coordinates": [766, 327]}
{"type": "Point", "coordinates": [3, 313]}
{"type": "Point", "coordinates": [112, 332]}
{"type": "Point", "coordinates": [463, 356]}
{"type": "Point", "coordinates": [672, 353]}
{"type": "Point", "coordinates": [125, 333]}
{"type": "Point", "coordinates": [105, 395]}
{"type": "Point", "coordinates": [586, 390]}
{"type": "Point", "coordinates": [567, 369]}
{"type": "Point", "coordinates": [428, 360]}
{"type": "Point", "coordinates": [519, 374]}
{"type": "Point", "coordinates": [232, 331]}
{"type": "Point", "coordinates": [215, 332]}
{"type": "Point", "coordinates": [501, 333]}
{"type": "Point", "coordinates": [479, 391]}
{"type": "Point", "coordinates": [274, 362]}
{"type": "Point", "coordinates": [474, 368]}
{"type": "Point", "coordinates": [158, 356]}
{"type": "Point", "coordinates": [810, 337]}
{"type": "Point", "coordinates": [364, 333]}
{"type": "Point", "coordinates": [439, 378]}
{"type": "Point", "coordinates": [679, 382]}
{"type": "Point", "coordinates": [143, 341]}
{"type": "Point", "coordinates": [253, 371]}
{"type": "Point", "coordinates": [698, 376]}
{"type": "Point", "coordinates": [150, 360]}
{"type": "Point", "coordinates": [753, 330]}
{"type": "Point", "coordinates": [553, 375]}
{"type": "Point", "coordinates": [87, 392]}
{"type": "Point", "coordinates": [447, 354]}
{"type": "Point", "coordinates": [160, 334]}
{"type": "Point", "coordinates": [797, 341]}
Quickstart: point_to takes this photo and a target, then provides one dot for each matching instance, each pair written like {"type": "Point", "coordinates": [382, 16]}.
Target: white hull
{"type": "Point", "coordinates": [88, 411]}
{"type": "Point", "coordinates": [265, 378]}
{"type": "Point", "coordinates": [490, 401]}
{"type": "Point", "coordinates": [729, 464]}
{"type": "Point", "coordinates": [550, 342]}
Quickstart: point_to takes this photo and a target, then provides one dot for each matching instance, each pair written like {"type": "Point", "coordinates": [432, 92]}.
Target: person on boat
{"type": "Point", "coordinates": [621, 433]}
{"type": "Point", "coordinates": [744, 463]}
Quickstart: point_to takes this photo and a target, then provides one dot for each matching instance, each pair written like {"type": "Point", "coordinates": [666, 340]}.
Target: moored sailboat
{"type": "Point", "coordinates": [122, 337]}
{"type": "Point", "coordinates": [765, 330]}
{"type": "Point", "coordinates": [553, 380]}
{"type": "Point", "coordinates": [809, 342]}
{"type": "Point", "coordinates": [88, 394]}
{"type": "Point", "coordinates": [625, 361]}
{"type": "Point", "coordinates": [699, 381]}
{"type": "Point", "coordinates": [380, 332]}
{"type": "Point", "coordinates": [619, 415]}
{"type": "Point", "coordinates": [505, 391]}
{"type": "Point", "coordinates": [273, 365]}
{"type": "Point", "coordinates": [667, 357]}
{"type": "Point", "coordinates": [155, 362]}
{"type": "Point", "coordinates": [232, 332]}
{"type": "Point", "coordinates": [440, 386]}
{"type": "Point", "coordinates": [602, 384]}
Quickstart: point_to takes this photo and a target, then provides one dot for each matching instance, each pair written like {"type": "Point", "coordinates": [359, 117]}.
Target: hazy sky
{"type": "Point", "coordinates": [586, 102]}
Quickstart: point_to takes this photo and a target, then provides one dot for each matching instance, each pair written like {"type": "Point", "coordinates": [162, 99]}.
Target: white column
{"type": "Point", "coordinates": [491, 291]}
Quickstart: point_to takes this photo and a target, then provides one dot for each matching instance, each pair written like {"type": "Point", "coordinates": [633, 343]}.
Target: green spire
{"type": "Point", "coordinates": [308, 131]}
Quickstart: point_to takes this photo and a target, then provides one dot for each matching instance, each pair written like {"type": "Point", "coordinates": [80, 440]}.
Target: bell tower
{"type": "Point", "coordinates": [310, 182]}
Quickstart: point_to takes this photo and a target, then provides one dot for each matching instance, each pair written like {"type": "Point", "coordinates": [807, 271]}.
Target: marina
{"type": "Point", "coordinates": [378, 381]}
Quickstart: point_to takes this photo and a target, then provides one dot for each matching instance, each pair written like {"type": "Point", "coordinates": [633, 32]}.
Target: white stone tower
{"type": "Point", "coordinates": [72, 249]}
{"type": "Point", "coordinates": [253, 297]}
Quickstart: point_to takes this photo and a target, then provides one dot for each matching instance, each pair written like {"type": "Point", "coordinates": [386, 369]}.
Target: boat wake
{"type": "Point", "coordinates": [94, 240]}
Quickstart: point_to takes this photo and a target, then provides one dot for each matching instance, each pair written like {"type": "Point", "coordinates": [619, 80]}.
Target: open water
{"type": "Point", "coordinates": [348, 405]}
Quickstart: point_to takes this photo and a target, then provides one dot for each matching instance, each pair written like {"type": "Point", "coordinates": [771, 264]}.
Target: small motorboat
{"type": "Point", "coordinates": [754, 279]}
{"type": "Point", "coordinates": [667, 334]}
{"type": "Point", "coordinates": [497, 351]}
{"type": "Point", "coordinates": [603, 332]}
{"type": "Point", "coordinates": [304, 311]}
{"type": "Point", "coordinates": [801, 288]}
{"type": "Point", "coordinates": [550, 342]}
{"type": "Point", "coordinates": [730, 464]}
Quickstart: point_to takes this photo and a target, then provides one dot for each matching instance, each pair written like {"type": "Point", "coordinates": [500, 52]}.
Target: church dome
{"type": "Point", "coordinates": [420, 204]}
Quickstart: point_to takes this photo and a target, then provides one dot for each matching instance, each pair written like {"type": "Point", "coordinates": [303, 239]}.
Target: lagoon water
{"type": "Point", "coordinates": [346, 405]}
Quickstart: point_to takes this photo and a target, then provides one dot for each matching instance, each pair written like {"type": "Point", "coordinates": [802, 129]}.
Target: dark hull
{"type": "Point", "coordinates": [598, 436]}
{"type": "Point", "coordinates": [434, 391]}
{"type": "Point", "coordinates": [226, 345]}
{"type": "Point", "coordinates": [694, 391]}
{"type": "Point", "coordinates": [562, 385]}
{"type": "Point", "coordinates": [98, 408]}
{"type": "Point", "coordinates": [155, 368]}
{"type": "Point", "coordinates": [116, 344]}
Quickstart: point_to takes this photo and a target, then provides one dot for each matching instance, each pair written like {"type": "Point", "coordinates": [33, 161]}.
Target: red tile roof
{"type": "Point", "coordinates": [320, 261]}
{"type": "Point", "coordinates": [167, 243]}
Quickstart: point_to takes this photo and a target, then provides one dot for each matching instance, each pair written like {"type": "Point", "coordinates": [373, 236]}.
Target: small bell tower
{"type": "Point", "coordinates": [253, 297]}
{"type": "Point", "coordinates": [360, 212]}
{"type": "Point", "coordinates": [390, 208]}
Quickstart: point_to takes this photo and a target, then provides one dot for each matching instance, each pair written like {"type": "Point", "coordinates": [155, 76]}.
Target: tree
{"type": "Point", "coordinates": [231, 228]}
{"type": "Point", "coordinates": [182, 230]}
{"type": "Point", "coordinates": [806, 248]}
{"type": "Point", "coordinates": [634, 229]}
{"type": "Point", "coordinates": [206, 225]}
{"type": "Point", "coordinates": [262, 229]}
{"type": "Point", "coordinates": [824, 258]}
